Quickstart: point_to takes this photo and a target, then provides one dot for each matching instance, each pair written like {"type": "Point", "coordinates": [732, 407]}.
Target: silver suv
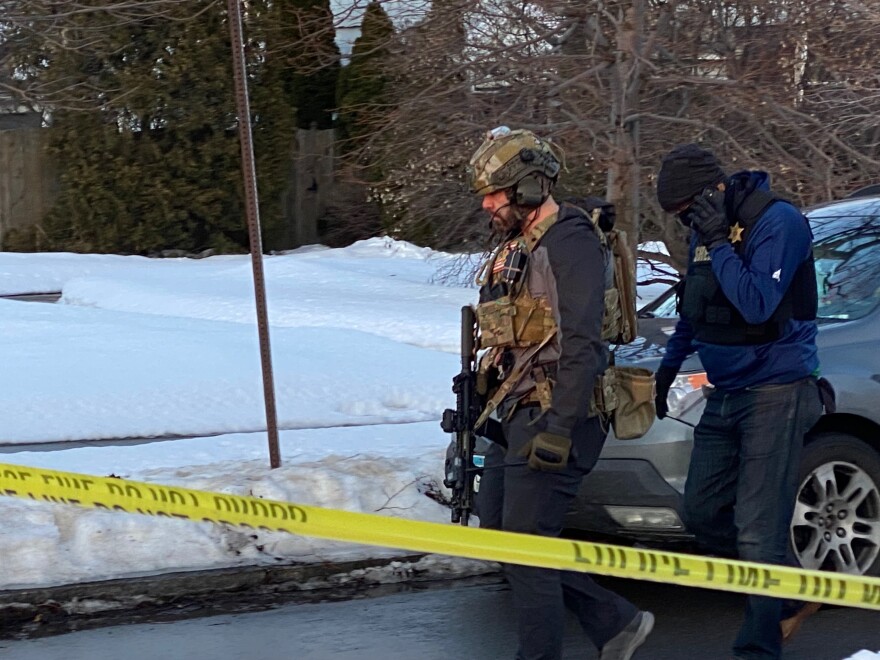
{"type": "Point", "coordinates": [635, 491]}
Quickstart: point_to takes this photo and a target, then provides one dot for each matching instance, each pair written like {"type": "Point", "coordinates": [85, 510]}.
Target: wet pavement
{"type": "Point", "coordinates": [451, 621]}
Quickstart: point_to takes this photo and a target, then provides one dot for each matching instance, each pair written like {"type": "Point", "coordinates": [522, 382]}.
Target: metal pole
{"type": "Point", "coordinates": [252, 208]}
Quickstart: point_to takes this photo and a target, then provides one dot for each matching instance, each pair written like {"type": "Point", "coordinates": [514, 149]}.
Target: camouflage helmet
{"type": "Point", "coordinates": [507, 156]}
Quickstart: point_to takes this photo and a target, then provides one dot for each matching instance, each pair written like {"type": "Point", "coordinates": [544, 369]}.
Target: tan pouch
{"type": "Point", "coordinates": [520, 323]}
{"type": "Point", "coordinates": [635, 410]}
{"type": "Point", "coordinates": [612, 318]}
{"type": "Point", "coordinates": [604, 400]}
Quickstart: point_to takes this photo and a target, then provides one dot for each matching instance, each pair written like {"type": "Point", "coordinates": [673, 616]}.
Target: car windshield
{"type": "Point", "coordinates": [847, 253]}
{"type": "Point", "coordinates": [666, 308]}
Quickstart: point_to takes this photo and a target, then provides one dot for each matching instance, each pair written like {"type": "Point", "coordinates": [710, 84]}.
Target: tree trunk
{"type": "Point", "coordinates": [624, 174]}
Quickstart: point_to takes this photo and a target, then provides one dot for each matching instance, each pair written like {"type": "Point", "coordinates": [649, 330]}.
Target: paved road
{"type": "Point", "coordinates": [458, 622]}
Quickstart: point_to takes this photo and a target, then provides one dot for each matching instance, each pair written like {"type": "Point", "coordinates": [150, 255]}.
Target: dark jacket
{"type": "Point", "coordinates": [568, 267]}
{"type": "Point", "coordinates": [755, 283]}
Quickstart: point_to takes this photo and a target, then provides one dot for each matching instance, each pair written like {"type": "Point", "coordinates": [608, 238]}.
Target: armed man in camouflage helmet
{"type": "Point", "coordinates": [540, 316]}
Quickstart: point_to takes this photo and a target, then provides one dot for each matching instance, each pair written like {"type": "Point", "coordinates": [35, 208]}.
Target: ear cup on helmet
{"type": "Point", "coordinates": [529, 192]}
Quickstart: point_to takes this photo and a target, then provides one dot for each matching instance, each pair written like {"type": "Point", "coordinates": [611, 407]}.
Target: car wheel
{"type": "Point", "coordinates": [836, 523]}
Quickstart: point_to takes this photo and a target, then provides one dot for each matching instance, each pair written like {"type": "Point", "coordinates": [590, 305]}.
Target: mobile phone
{"type": "Point", "coordinates": [708, 192]}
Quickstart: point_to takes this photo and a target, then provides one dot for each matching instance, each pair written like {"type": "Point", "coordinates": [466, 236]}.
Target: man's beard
{"type": "Point", "coordinates": [509, 218]}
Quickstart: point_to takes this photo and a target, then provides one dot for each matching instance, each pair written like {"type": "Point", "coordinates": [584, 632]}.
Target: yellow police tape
{"type": "Point", "coordinates": [222, 508]}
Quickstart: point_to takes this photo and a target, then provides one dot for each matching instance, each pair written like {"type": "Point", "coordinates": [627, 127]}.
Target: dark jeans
{"type": "Point", "coordinates": [741, 486]}
{"type": "Point", "coordinates": [518, 499]}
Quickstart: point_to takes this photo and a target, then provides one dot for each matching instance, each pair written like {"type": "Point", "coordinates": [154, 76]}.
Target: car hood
{"type": "Point", "coordinates": [648, 348]}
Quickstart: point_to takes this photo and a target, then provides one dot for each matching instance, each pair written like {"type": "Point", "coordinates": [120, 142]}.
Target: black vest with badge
{"type": "Point", "coordinates": [714, 317]}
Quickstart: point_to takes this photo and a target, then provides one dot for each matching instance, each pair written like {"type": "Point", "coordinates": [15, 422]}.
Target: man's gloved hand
{"type": "Point", "coordinates": [709, 219]}
{"type": "Point", "coordinates": [663, 379]}
{"type": "Point", "coordinates": [548, 450]}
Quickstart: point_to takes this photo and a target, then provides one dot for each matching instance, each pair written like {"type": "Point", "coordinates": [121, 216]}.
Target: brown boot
{"type": "Point", "coordinates": [791, 625]}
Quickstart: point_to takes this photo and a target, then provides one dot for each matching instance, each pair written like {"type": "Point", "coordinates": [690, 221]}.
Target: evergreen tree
{"type": "Point", "coordinates": [310, 48]}
{"type": "Point", "coordinates": [362, 90]}
{"type": "Point", "coordinates": [160, 167]}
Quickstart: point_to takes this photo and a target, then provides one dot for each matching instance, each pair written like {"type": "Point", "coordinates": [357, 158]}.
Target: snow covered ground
{"type": "Point", "coordinates": [364, 345]}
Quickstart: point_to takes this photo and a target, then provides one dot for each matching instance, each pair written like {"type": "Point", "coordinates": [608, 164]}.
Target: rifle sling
{"type": "Point", "coordinates": [512, 380]}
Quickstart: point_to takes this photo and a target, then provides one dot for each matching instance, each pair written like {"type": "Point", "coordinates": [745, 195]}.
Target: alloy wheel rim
{"type": "Point", "coordinates": [836, 522]}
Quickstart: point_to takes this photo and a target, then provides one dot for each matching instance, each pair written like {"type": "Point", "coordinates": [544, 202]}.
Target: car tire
{"type": "Point", "coordinates": [836, 522]}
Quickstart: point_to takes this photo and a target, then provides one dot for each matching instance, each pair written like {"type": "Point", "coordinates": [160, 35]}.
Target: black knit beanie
{"type": "Point", "coordinates": [686, 171]}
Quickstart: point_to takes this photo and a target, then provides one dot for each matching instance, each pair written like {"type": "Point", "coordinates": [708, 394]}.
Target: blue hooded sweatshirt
{"type": "Point", "coordinates": [755, 283]}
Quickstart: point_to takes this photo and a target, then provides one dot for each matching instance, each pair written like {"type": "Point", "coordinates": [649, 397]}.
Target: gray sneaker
{"type": "Point", "coordinates": [629, 639]}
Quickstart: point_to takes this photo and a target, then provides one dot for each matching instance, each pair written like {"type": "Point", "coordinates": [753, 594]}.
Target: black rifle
{"type": "Point", "coordinates": [460, 470]}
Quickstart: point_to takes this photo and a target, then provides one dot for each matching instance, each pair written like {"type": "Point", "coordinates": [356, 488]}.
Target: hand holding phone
{"type": "Point", "coordinates": [709, 218]}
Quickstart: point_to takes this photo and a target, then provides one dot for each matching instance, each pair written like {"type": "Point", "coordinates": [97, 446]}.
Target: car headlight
{"type": "Point", "coordinates": [645, 517]}
{"type": "Point", "coordinates": [685, 391]}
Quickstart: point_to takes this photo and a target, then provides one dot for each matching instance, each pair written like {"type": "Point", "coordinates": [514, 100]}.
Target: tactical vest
{"type": "Point", "coordinates": [510, 317]}
{"type": "Point", "coordinates": [714, 317]}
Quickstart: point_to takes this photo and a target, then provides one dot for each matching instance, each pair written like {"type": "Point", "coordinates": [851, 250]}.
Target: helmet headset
{"type": "Point", "coordinates": [517, 161]}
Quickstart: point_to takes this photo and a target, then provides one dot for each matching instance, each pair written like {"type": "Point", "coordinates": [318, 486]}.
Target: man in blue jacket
{"type": "Point", "coordinates": [748, 306]}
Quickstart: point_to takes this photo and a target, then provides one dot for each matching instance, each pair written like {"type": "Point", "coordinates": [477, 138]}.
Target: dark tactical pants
{"type": "Point", "coordinates": [518, 499]}
{"type": "Point", "coordinates": [741, 486]}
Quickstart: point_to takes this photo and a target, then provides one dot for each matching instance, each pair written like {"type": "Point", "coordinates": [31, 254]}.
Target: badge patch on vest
{"type": "Point", "coordinates": [736, 233]}
{"type": "Point", "coordinates": [701, 254]}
